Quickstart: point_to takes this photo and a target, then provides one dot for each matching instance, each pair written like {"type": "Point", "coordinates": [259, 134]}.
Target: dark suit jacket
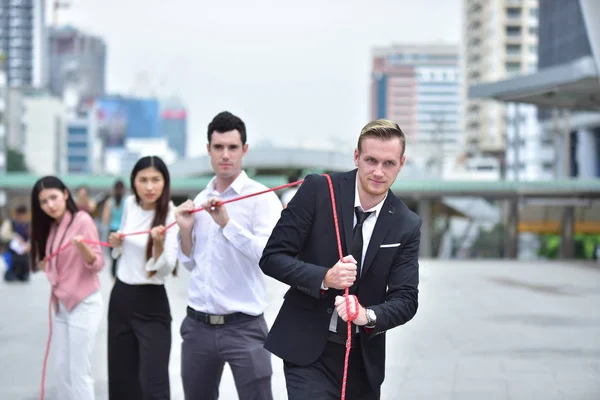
{"type": "Point", "coordinates": [303, 247]}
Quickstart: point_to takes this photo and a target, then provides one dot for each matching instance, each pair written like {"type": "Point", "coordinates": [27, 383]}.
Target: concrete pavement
{"type": "Point", "coordinates": [484, 330]}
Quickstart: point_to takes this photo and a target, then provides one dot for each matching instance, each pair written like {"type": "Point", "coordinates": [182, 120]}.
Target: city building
{"type": "Point", "coordinates": [13, 119]}
{"type": "Point", "coordinates": [78, 61]}
{"type": "Point", "coordinates": [418, 87]}
{"type": "Point", "coordinates": [121, 118]}
{"type": "Point", "coordinates": [23, 42]}
{"type": "Point", "coordinates": [129, 128]}
{"type": "Point", "coordinates": [120, 161]}
{"type": "Point", "coordinates": [84, 148]}
{"type": "Point", "coordinates": [499, 41]}
{"type": "Point", "coordinates": [566, 87]}
{"type": "Point", "coordinates": [173, 125]}
{"type": "Point", "coordinates": [44, 131]}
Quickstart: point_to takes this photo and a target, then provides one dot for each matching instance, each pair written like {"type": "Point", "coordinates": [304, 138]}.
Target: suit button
{"type": "Point", "coordinates": [329, 310]}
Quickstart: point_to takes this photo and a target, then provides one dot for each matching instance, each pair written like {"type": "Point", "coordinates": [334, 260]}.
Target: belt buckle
{"type": "Point", "coordinates": [216, 319]}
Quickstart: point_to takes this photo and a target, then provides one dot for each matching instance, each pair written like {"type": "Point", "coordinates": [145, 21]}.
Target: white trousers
{"type": "Point", "coordinates": [74, 340]}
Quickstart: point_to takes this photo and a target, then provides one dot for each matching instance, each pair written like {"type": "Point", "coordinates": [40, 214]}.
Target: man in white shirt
{"type": "Point", "coordinates": [221, 247]}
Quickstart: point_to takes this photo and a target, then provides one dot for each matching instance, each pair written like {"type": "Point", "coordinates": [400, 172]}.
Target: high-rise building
{"type": "Point", "coordinates": [566, 35]}
{"type": "Point", "coordinates": [45, 133]}
{"type": "Point", "coordinates": [418, 87]}
{"type": "Point", "coordinates": [122, 118]}
{"type": "Point", "coordinates": [499, 41]}
{"type": "Point", "coordinates": [77, 62]}
{"type": "Point", "coordinates": [13, 119]}
{"type": "Point", "coordinates": [565, 87]}
{"type": "Point", "coordinates": [173, 125]}
{"type": "Point", "coordinates": [129, 128]}
{"type": "Point", "coordinates": [23, 42]}
{"type": "Point", "coordinates": [84, 148]}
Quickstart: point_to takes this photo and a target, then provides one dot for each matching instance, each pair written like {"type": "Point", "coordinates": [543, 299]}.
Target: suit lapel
{"type": "Point", "coordinates": [347, 189]}
{"type": "Point", "coordinates": [381, 229]}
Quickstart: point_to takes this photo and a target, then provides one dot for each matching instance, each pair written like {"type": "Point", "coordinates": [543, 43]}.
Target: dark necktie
{"type": "Point", "coordinates": [356, 251]}
{"type": "Point", "coordinates": [357, 243]}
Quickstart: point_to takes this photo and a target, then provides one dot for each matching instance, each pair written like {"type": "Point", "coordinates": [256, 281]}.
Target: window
{"type": "Point", "coordinates": [513, 31]}
{"type": "Point", "coordinates": [547, 166]}
{"type": "Point", "coordinates": [513, 67]}
{"type": "Point", "coordinates": [513, 13]}
{"type": "Point", "coordinates": [513, 49]}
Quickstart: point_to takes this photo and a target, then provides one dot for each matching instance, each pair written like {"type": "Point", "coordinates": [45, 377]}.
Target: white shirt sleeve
{"type": "Point", "coordinates": [187, 262]}
{"type": "Point", "coordinates": [165, 264]}
{"type": "Point", "coordinates": [267, 211]}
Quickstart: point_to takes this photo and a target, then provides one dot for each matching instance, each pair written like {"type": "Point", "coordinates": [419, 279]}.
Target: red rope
{"type": "Point", "coordinates": [351, 316]}
{"type": "Point", "coordinates": [43, 388]}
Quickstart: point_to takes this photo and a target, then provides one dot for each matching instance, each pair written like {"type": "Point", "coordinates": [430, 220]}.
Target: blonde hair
{"type": "Point", "coordinates": [382, 129]}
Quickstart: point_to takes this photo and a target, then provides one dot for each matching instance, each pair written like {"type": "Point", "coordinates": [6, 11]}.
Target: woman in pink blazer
{"type": "Point", "coordinates": [73, 276]}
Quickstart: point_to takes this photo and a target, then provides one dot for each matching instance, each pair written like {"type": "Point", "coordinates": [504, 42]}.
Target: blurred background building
{"type": "Point", "coordinates": [500, 40]}
{"type": "Point", "coordinates": [418, 87]}
{"type": "Point", "coordinates": [511, 106]}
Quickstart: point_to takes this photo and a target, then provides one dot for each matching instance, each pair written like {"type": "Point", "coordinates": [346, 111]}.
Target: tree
{"type": "Point", "coordinates": [15, 161]}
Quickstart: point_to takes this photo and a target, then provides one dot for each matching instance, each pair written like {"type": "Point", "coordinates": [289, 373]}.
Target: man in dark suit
{"type": "Point", "coordinates": [380, 241]}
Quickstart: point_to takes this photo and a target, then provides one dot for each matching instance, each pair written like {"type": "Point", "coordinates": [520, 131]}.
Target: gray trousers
{"type": "Point", "coordinates": [206, 348]}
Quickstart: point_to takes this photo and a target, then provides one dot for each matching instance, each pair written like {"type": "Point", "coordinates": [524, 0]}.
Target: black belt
{"type": "Point", "coordinates": [337, 339]}
{"type": "Point", "coordinates": [212, 319]}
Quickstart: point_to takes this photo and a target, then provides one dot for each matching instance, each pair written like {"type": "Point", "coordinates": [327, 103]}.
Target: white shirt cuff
{"type": "Point", "coordinates": [180, 254]}
{"type": "Point", "coordinates": [116, 252]}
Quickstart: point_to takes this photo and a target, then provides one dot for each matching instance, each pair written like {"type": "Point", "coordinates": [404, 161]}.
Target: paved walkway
{"type": "Point", "coordinates": [485, 330]}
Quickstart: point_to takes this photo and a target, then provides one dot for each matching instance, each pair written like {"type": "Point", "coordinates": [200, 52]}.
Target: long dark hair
{"type": "Point", "coordinates": [163, 202]}
{"type": "Point", "coordinates": [40, 221]}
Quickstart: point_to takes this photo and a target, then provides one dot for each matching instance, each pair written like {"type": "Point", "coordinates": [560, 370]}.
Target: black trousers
{"type": "Point", "coordinates": [139, 342]}
{"type": "Point", "coordinates": [20, 267]}
{"type": "Point", "coordinates": [322, 380]}
{"type": "Point", "coordinates": [113, 269]}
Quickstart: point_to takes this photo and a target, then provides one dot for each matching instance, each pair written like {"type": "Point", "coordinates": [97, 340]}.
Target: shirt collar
{"type": "Point", "coordinates": [376, 209]}
{"type": "Point", "coordinates": [237, 185]}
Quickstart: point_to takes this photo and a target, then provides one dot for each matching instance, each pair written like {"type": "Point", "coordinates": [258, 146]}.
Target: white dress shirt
{"type": "Point", "coordinates": [367, 232]}
{"type": "Point", "coordinates": [225, 275]}
{"type": "Point", "coordinates": [132, 266]}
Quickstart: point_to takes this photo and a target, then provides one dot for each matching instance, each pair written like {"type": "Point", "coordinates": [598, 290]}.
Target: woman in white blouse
{"type": "Point", "coordinates": [139, 316]}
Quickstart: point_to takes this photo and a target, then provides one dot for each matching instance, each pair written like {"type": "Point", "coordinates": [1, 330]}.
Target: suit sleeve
{"type": "Point", "coordinates": [279, 259]}
{"type": "Point", "coordinates": [401, 300]}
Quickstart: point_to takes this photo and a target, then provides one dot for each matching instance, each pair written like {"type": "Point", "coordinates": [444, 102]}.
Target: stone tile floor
{"type": "Point", "coordinates": [484, 330]}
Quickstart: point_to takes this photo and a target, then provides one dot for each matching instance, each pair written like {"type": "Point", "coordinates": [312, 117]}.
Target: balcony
{"type": "Point", "coordinates": [514, 20]}
{"type": "Point", "coordinates": [513, 57]}
{"type": "Point", "coordinates": [514, 38]}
